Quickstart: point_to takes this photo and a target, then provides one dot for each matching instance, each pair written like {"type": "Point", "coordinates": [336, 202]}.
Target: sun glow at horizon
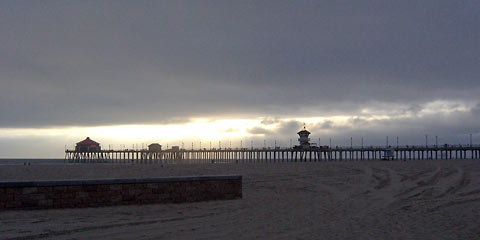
{"type": "Point", "coordinates": [212, 129]}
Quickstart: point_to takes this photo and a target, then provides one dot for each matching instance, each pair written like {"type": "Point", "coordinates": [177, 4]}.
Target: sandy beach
{"type": "Point", "coordinates": [432, 199]}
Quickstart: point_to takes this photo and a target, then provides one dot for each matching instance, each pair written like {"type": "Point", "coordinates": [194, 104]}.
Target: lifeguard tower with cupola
{"type": "Point", "coordinates": [304, 140]}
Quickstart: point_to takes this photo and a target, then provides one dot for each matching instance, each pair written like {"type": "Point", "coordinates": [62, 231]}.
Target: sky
{"type": "Point", "coordinates": [236, 73]}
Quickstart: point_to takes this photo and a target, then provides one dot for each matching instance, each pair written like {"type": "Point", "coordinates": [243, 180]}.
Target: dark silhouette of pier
{"type": "Point", "coordinates": [270, 155]}
{"type": "Point", "coordinates": [89, 151]}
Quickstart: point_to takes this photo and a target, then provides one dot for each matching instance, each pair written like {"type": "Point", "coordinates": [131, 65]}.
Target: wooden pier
{"type": "Point", "coordinates": [269, 155]}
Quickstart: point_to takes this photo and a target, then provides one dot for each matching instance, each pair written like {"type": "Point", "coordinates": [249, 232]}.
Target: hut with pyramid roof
{"type": "Point", "coordinates": [88, 145]}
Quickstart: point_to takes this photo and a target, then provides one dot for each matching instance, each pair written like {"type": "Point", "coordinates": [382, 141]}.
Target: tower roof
{"type": "Point", "coordinates": [88, 142]}
{"type": "Point", "coordinates": [304, 131]}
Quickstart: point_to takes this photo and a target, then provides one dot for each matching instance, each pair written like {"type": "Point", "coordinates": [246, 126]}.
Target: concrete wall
{"type": "Point", "coordinates": [109, 192]}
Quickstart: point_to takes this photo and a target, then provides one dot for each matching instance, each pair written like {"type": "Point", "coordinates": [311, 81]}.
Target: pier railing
{"type": "Point", "coordinates": [278, 154]}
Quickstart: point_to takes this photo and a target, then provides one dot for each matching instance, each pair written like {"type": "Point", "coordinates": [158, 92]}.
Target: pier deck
{"type": "Point", "coordinates": [265, 155]}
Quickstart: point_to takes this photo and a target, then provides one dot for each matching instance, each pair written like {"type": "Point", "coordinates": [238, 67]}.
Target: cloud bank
{"type": "Point", "coordinates": [90, 63]}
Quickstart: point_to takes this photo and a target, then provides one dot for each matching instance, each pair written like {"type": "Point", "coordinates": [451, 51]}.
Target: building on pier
{"type": "Point", "coordinates": [88, 145]}
{"type": "Point", "coordinates": [154, 147]}
{"type": "Point", "coordinates": [304, 140]}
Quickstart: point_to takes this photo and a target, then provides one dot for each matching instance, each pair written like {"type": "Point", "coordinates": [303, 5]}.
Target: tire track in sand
{"type": "Point", "coordinates": [53, 234]}
{"type": "Point", "coordinates": [421, 186]}
{"type": "Point", "coordinates": [460, 181]}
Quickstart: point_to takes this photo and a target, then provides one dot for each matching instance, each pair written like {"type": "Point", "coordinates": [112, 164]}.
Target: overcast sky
{"type": "Point", "coordinates": [361, 68]}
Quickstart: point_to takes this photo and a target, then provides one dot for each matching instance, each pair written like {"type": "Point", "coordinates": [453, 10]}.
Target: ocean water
{"type": "Point", "coordinates": [31, 161]}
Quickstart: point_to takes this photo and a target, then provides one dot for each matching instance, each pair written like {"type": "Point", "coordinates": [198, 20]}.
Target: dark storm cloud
{"type": "Point", "coordinates": [259, 131]}
{"type": "Point", "coordinates": [269, 120]}
{"type": "Point", "coordinates": [288, 127]}
{"type": "Point", "coordinates": [280, 127]}
{"type": "Point", "coordinates": [476, 110]}
{"type": "Point", "coordinates": [113, 62]}
{"type": "Point", "coordinates": [326, 124]}
{"type": "Point", "coordinates": [449, 128]}
{"type": "Point", "coordinates": [229, 130]}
